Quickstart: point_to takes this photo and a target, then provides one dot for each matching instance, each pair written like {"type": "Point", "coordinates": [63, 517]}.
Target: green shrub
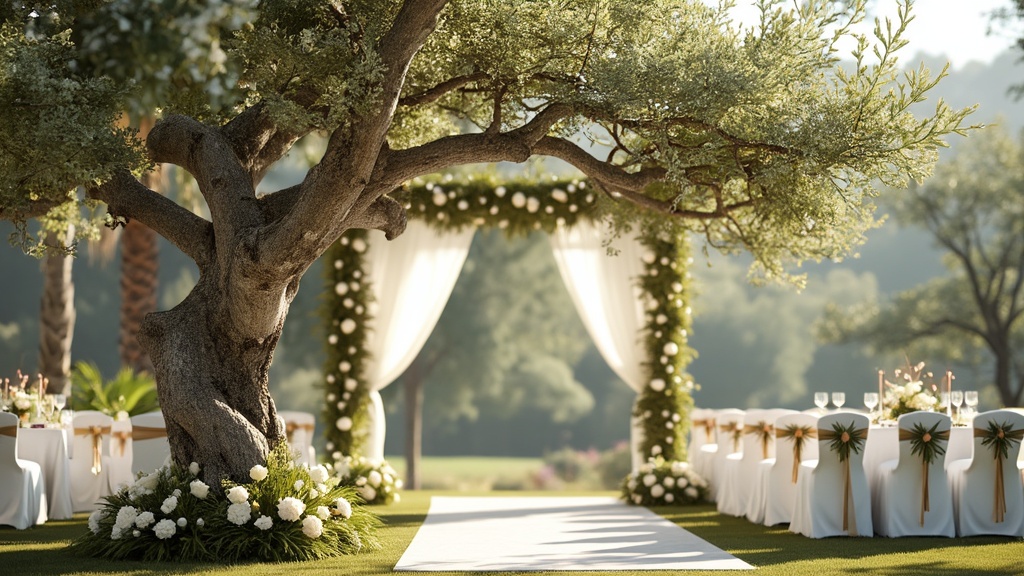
{"type": "Point", "coordinates": [129, 392]}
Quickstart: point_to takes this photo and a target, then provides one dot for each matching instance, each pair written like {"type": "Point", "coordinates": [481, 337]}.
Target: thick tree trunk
{"type": "Point", "coordinates": [57, 317]}
{"type": "Point", "coordinates": [1003, 377]}
{"type": "Point", "coordinates": [213, 387]}
{"type": "Point", "coordinates": [139, 267]}
{"type": "Point", "coordinates": [413, 425]}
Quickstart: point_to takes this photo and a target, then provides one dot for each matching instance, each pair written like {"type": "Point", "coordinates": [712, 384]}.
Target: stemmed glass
{"type": "Point", "coordinates": [971, 400]}
{"type": "Point", "coordinates": [838, 398]}
{"type": "Point", "coordinates": [60, 401]}
{"type": "Point", "coordinates": [957, 398]}
{"type": "Point", "coordinates": [821, 399]}
{"type": "Point", "coordinates": [870, 401]}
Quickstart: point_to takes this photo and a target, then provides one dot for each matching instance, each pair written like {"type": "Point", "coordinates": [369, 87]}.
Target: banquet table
{"type": "Point", "coordinates": [883, 444]}
{"type": "Point", "coordinates": [49, 447]}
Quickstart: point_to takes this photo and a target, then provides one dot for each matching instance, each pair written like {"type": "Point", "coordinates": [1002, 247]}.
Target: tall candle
{"type": "Point", "coordinates": [949, 393]}
{"type": "Point", "coordinates": [881, 392]}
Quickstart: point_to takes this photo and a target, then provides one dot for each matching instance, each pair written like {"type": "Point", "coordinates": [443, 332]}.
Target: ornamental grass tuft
{"type": "Point", "coordinates": [287, 513]}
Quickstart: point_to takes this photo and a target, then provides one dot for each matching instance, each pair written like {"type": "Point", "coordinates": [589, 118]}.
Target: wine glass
{"type": "Point", "coordinates": [60, 401]}
{"type": "Point", "coordinates": [821, 399]}
{"type": "Point", "coordinates": [957, 398]}
{"type": "Point", "coordinates": [971, 400]}
{"type": "Point", "coordinates": [870, 401]}
{"type": "Point", "coordinates": [838, 398]}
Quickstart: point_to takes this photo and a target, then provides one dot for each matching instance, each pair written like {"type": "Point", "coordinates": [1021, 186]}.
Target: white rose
{"type": "Point", "coordinates": [657, 491]}
{"type": "Point", "coordinates": [239, 513]}
{"type": "Point", "coordinates": [669, 482]}
{"type": "Point", "coordinates": [343, 508]}
{"type": "Point", "coordinates": [165, 528]}
{"type": "Point", "coordinates": [323, 512]}
{"type": "Point", "coordinates": [312, 526]}
{"type": "Point", "coordinates": [298, 485]}
{"type": "Point", "coordinates": [199, 489]}
{"type": "Point", "coordinates": [318, 473]}
{"type": "Point", "coordinates": [193, 468]}
{"type": "Point", "coordinates": [367, 492]}
{"type": "Point", "coordinates": [290, 509]}
{"type": "Point", "coordinates": [258, 472]}
{"type": "Point", "coordinates": [264, 522]}
{"type": "Point", "coordinates": [238, 494]}
{"type": "Point", "coordinates": [170, 503]}
{"type": "Point", "coordinates": [374, 478]}
{"type": "Point", "coordinates": [650, 480]}
{"type": "Point", "coordinates": [148, 482]}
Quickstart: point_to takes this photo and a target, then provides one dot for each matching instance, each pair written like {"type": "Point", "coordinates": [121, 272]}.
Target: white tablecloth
{"type": "Point", "coordinates": [48, 447]}
{"type": "Point", "coordinates": [883, 444]}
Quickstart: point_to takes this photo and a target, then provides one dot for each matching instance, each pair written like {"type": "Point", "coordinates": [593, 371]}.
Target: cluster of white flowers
{"type": "Point", "coordinates": [910, 396]}
{"type": "Point", "coordinates": [376, 483]}
{"type": "Point", "coordinates": [662, 482]}
{"type": "Point", "coordinates": [165, 528]}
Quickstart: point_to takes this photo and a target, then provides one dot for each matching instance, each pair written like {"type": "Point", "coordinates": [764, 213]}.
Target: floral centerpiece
{"type": "Point", "coordinates": [661, 482]}
{"type": "Point", "coordinates": [24, 404]}
{"type": "Point", "coordinates": [286, 513]}
{"type": "Point", "coordinates": [910, 392]}
{"type": "Point", "coordinates": [375, 482]}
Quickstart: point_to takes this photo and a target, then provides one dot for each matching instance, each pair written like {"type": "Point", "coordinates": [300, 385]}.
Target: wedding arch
{"type": "Point", "coordinates": [386, 297]}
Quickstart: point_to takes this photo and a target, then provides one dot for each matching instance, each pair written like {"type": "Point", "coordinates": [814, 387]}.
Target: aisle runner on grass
{"type": "Point", "coordinates": [487, 534]}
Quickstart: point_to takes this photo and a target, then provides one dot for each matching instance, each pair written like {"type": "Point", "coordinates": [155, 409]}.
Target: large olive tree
{"type": "Point", "coordinates": [757, 137]}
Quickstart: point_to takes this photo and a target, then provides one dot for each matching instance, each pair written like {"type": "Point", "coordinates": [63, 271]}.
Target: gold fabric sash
{"type": "Point", "coordinates": [709, 428]}
{"type": "Point", "coordinates": [122, 437]}
{"type": "Point", "coordinates": [939, 436]}
{"type": "Point", "coordinates": [735, 431]}
{"type": "Point", "coordinates": [828, 436]}
{"type": "Point", "coordinates": [11, 431]}
{"type": "Point", "coordinates": [999, 506]}
{"type": "Point", "coordinates": [291, 427]}
{"type": "Point", "coordinates": [97, 433]}
{"type": "Point", "coordinates": [765, 431]}
{"type": "Point", "coordinates": [799, 434]}
{"type": "Point", "coordinates": [148, 432]}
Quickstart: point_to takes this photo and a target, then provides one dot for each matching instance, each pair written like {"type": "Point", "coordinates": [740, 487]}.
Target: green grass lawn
{"type": "Point", "coordinates": [42, 550]}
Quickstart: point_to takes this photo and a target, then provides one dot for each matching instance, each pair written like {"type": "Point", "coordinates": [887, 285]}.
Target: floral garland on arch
{"type": "Point", "coordinates": [519, 209]}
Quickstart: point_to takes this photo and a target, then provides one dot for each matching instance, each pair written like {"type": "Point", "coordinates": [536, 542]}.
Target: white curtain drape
{"type": "Point", "coordinates": [411, 278]}
{"type": "Point", "coordinates": [604, 289]}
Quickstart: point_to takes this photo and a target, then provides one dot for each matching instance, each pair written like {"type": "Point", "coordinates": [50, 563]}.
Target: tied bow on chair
{"type": "Point", "coordinates": [97, 433]}
{"type": "Point", "coordinates": [999, 437]}
{"type": "Point", "coordinates": [11, 431]}
{"type": "Point", "coordinates": [735, 431]}
{"type": "Point", "coordinates": [765, 431]}
{"type": "Point", "coordinates": [122, 437]}
{"type": "Point", "coordinates": [148, 432]}
{"type": "Point", "coordinates": [843, 440]}
{"type": "Point", "coordinates": [799, 434]}
{"type": "Point", "coordinates": [928, 443]}
{"type": "Point", "coordinates": [709, 428]}
{"type": "Point", "coordinates": [291, 427]}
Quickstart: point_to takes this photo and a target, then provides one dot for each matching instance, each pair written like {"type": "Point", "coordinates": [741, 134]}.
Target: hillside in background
{"type": "Point", "coordinates": [756, 344]}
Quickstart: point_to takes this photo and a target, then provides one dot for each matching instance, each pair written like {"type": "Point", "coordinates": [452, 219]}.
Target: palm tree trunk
{"type": "Point", "coordinates": [413, 424]}
{"type": "Point", "coordinates": [57, 316]}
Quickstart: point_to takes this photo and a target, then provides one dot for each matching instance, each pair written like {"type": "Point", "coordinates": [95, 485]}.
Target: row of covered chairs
{"type": "Point", "coordinates": [781, 466]}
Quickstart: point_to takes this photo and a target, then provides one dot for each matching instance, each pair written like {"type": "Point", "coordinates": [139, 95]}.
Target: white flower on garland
{"type": "Point", "coordinates": [657, 491]}
{"type": "Point", "coordinates": [258, 472]}
{"type": "Point", "coordinates": [343, 508]}
{"type": "Point", "coordinates": [94, 521]}
{"type": "Point", "coordinates": [348, 326]}
{"type": "Point", "coordinates": [669, 482]}
{"type": "Point", "coordinates": [199, 489]}
{"type": "Point", "coordinates": [264, 522]}
{"type": "Point", "coordinates": [650, 480]}
{"type": "Point", "coordinates": [312, 526]}
{"type": "Point", "coordinates": [144, 519]}
{"type": "Point", "coordinates": [165, 528]}
{"type": "Point", "coordinates": [344, 423]}
{"type": "Point", "coordinates": [670, 497]}
{"type": "Point", "coordinates": [238, 494]}
{"type": "Point", "coordinates": [170, 503]}
{"type": "Point", "coordinates": [367, 492]}
{"type": "Point", "coordinates": [318, 474]}
{"type": "Point", "coordinates": [290, 509]}
{"type": "Point", "coordinates": [657, 384]}
{"type": "Point", "coordinates": [239, 513]}
{"type": "Point", "coordinates": [125, 517]}
{"type": "Point", "coordinates": [691, 492]}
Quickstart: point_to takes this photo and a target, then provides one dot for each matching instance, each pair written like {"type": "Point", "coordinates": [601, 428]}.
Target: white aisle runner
{"type": "Point", "coordinates": [494, 534]}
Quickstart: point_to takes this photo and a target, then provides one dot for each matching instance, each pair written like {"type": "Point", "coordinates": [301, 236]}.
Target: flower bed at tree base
{"type": "Point", "coordinates": [661, 482]}
{"type": "Point", "coordinates": [286, 513]}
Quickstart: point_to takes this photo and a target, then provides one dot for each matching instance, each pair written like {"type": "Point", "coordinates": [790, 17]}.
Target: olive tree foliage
{"type": "Point", "coordinates": [973, 207]}
{"type": "Point", "coordinates": [757, 137]}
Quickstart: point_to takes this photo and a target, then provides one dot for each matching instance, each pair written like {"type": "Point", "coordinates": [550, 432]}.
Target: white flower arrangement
{"type": "Point", "coordinates": [660, 482]}
{"type": "Point", "coordinates": [174, 515]}
{"type": "Point", "coordinates": [912, 395]}
{"type": "Point", "coordinates": [375, 482]}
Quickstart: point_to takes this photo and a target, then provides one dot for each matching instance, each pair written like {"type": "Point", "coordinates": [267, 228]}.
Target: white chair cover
{"type": "Point", "coordinates": [299, 426]}
{"type": "Point", "coordinates": [729, 422]}
{"type": "Point", "coordinates": [150, 449]}
{"type": "Point", "coordinates": [22, 498]}
{"type": "Point", "coordinates": [898, 493]}
{"type": "Point", "coordinates": [739, 470]}
{"type": "Point", "coordinates": [976, 492]}
{"type": "Point", "coordinates": [705, 446]}
{"type": "Point", "coordinates": [121, 456]}
{"type": "Point", "coordinates": [774, 493]}
{"type": "Point", "coordinates": [833, 498]}
{"type": "Point", "coordinates": [90, 464]}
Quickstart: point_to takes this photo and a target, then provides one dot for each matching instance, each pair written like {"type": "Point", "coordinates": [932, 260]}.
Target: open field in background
{"type": "Point", "coordinates": [776, 552]}
{"type": "Point", "coordinates": [474, 473]}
